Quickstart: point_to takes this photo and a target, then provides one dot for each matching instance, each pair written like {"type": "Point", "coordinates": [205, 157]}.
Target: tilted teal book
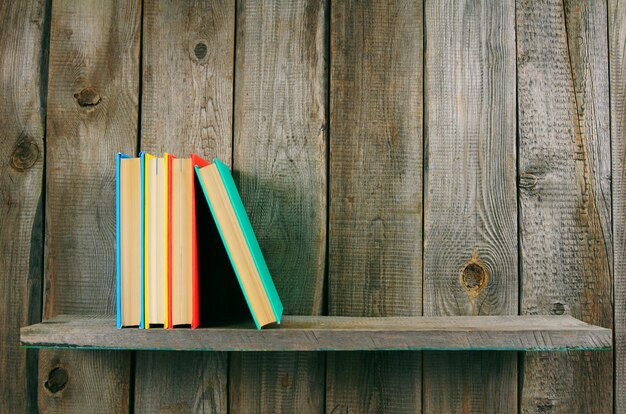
{"type": "Point", "coordinates": [250, 237]}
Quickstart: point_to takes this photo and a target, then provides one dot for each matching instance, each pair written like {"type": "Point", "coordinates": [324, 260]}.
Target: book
{"type": "Point", "coordinates": [154, 241]}
{"type": "Point", "coordinates": [129, 240]}
{"type": "Point", "coordinates": [183, 297]}
{"type": "Point", "coordinates": [240, 242]}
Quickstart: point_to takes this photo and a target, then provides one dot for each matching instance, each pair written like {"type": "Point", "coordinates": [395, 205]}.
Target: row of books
{"type": "Point", "coordinates": [186, 253]}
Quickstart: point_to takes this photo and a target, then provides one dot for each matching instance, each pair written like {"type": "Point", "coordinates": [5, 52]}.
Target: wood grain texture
{"type": "Point", "coordinates": [332, 333]}
{"type": "Point", "coordinates": [470, 210]}
{"type": "Point", "coordinates": [187, 95]}
{"type": "Point", "coordinates": [565, 194]}
{"type": "Point", "coordinates": [92, 114]}
{"type": "Point", "coordinates": [23, 58]}
{"type": "Point", "coordinates": [617, 70]}
{"type": "Point", "coordinates": [181, 382]}
{"type": "Point", "coordinates": [280, 167]}
{"type": "Point", "coordinates": [375, 194]}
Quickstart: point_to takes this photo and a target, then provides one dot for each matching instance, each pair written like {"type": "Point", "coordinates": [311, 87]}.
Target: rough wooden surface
{"type": "Point", "coordinates": [340, 333]}
{"type": "Point", "coordinates": [280, 168]}
{"type": "Point", "coordinates": [181, 382]}
{"type": "Point", "coordinates": [565, 194]}
{"type": "Point", "coordinates": [470, 212]}
{"type": "Point", "coordinates": [375, 194]}
{"type": "Point", "coordinates": [617, 70]}
{"type": "Point", "coordinates": [23, 64]}
{"type": "Point", "coordinates": [92, 114]}
{"type": "Point", "coordinates": [187, 95]}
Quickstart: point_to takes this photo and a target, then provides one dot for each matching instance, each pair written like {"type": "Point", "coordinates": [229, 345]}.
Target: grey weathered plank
{"type": "Point", "coordinates": [375, 194]}
{"type": "Point", "coordinates": [280, 167]}
{"type": "Point", "coordinates": [565, 194]}
{"type": "Point", "coordinates": [333, 333]}
{"type": "Point", "coordinates": [23, 58]}
{"type": "Point", "coordinates": [187, 97]}
{"type": "Point", "coordinates": [92, 113]}
{"type": "Point", "coordinates": [181, 382]}
{"type": "Point", "coordinates": [617, 69]}
{"type": "Point", "coordinates": [470, 213]}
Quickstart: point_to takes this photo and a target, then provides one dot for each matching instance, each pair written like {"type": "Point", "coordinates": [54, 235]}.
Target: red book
{"type": "Point", "coordinates": [195, 286]}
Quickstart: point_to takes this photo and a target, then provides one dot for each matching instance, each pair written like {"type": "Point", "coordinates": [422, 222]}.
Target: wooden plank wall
{"type": "Point", "coordinates": [617, 81]}
{"type": "Point", "coordinates": [470, 210]}
{"type": "Point", "coordinates": [565, 194]}
{"type": "Point", "coordinates": [187, 73]}
{"type": "Point", "coordinates": [375, 221]}
{"type": "Point", "coordinates": [93, 87]}
{"type": "Point", "coordinates": [396, 158]}
{"type": "Point", "coordinates": [23, 91]}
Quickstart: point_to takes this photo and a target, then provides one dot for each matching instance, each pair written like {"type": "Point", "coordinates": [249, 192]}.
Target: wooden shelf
{"type": "Point", "coordinates": [331, 333]}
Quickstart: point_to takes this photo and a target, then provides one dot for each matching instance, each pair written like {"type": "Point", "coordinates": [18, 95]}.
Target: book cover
{"type": "Point", "coordinates": [142, 169]}
{"type": "Point", "coordinates": [248, 237]}
{"type": "Point", "coordinates": [168, 241]}
{"type": "Point", "coordinates": [118, 243]}
{"type": "Point", "coordinates": [129, 244]}
{"type": "Point", "coordinates": [195, 285]}
{"type": "Point", "coordinates": [251, 240]}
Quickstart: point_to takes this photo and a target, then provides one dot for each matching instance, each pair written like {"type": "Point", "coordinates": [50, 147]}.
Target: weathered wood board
{"type": "Point", "coordinates": [92, 114]}
{"type": "Point", "coordinates": [375, 223]}
{"type": "Point", "coordinates": [470, 210]}
{"type": "Point", "coordinates": [617, 70]}
{"type": "Point", "coordinates": [187, 101]}
{"type": "Point", "coordinates": [565, 194]}
{"type": "Point", "coordinates": [24, 31]}
{"type": "Point", "coordinates": [332, 333]}
{"type": "Point", "coordinates": [279, 158]}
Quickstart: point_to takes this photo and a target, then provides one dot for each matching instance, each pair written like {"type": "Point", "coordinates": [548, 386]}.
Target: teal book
{"type": "Point", "coordinates": [241, 244]}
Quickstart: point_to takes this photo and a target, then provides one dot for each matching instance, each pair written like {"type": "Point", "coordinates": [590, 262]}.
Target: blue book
{"type": "Point", "coordinates": [241, 244]}
{"type": "Point", "coordinates": [129, 210]}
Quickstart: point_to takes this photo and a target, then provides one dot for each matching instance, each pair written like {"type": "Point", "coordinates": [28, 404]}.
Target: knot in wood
{"type": "Point", "coordinates": [527, 181]}
{"type": "Point", "coordinates": [200, 50]}
{"type": "Point", "coordinates": [87, 97]}
{"type": "Point", "coordinates": [285, 381]}
{"type": "Point", "coordinates": [57, 380]}
{"type": "Point", "coordinates": [474, 276]}
{"type": "Point", "coordinates": [25, 154]}
{"type": "Point", "coordinates": [558, 308]}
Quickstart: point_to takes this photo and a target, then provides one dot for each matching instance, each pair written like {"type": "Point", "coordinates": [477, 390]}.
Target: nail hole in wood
{"type": "Point", "coordinates": [57, 380]}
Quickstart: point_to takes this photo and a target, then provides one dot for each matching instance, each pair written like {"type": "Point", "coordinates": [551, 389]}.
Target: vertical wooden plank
{"type": "Point", "coordinates": [470, 227]}
{"type": "Point", "coordinates": [188, 50]}
{"type": "Point", "coordinates": [565, 194]}
{"type": "Point", "coordinates": [92, 114]}
{"type": "Point", "coordinates": [23, 75]}
{"type": "Point", "coordinates": [617, 87]}
{"type": "Point", "coordinates": [375, 195]}
{"type": "Point", "coordinates": [280, 167]}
